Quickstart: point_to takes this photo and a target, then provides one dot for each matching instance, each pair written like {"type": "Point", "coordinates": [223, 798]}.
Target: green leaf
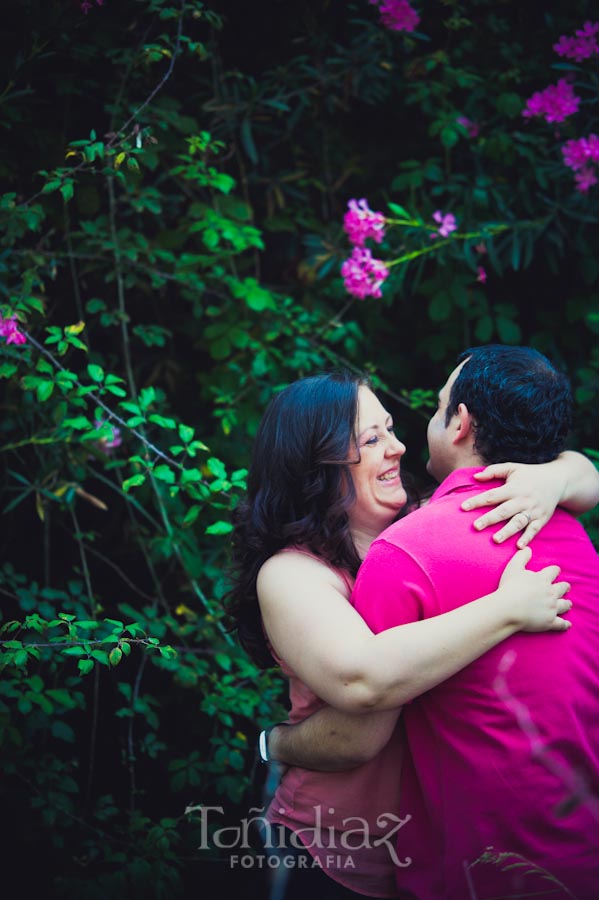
{"type": "Point", "coordinates": [115, 656]}
{"type": "Point", "coordinates": [508, 331]}
{"type": "Point", "coordinates": [440, 306]}
{"type": "Point", "coordinates": [191, 515]}
{"type": "Point", "coordinates": [216, 467]}
{"type": "Point", "coordinates": [67, 191]}
{"type": "Point", "coordinates": [95, 305]}
{"type": "Point", "coordinates": [219, 528]}
{"type": "Point", "coordinates": [399, 211]}
{"type": "Point", "coordinates": [223, 661]}
{"type": "Point", "coordinates": [96, 373]}
{"type": "Point", "coordinates": [186, 433]}
{"type": "Point", "coordinates": [85, 666]}
{"type": "Point", "coordinates": [484, 329]}
{"type": "Point", "coordinates": [44, 390]}
{"type": "Point", "coordinates": [164, 473]}
{"type": "Point", "coordinates": [509, 104]}
{"type": "Point", "coordinates": [134, 481]}
{"type": "Point", "coordinates": [62, 731]}
{"type": "Point", "coordinates": [189, 476]}
{"type": "Point", "coordinates": [247, 140]}
{"type": "Point", "coordinates": [449, 136]}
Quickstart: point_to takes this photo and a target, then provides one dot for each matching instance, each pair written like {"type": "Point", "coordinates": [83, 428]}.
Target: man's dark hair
{"type": "Point", "coordinates": [521, 404]}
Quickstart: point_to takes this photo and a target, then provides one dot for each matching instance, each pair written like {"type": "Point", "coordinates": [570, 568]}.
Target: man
{"type": "Point", "coordinates": [501, 776]}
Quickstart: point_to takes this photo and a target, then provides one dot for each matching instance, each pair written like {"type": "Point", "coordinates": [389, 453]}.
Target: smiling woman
{"type": "Point", "coordinates": [324, 481]}
{"type": "Point", "coordinates": [380, 494]}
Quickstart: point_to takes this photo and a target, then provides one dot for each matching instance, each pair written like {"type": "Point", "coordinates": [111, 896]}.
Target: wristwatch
{"type": "Point", "coordinates": [263, 744]}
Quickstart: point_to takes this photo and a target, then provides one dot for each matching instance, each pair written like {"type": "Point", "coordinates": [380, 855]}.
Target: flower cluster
{"type": "Point", "coordinates": [582, 155]}
{"type": "Point", "coordinates": [360, 222]}
{"type": "Point", "coordinates": [447, 223]}
{"type": "Point", "coordinates": [582, 45]}
{"type": "Point", "coordinates": [471, 127]}
{"type": "Point", "coordinates": [397, 15]}
{"type": "Point", "coordinates": [363, 275]}
{"type": "Point", "coordinates": [10, 330]}
{"type": "Point", "coordinates": [555, 103]}
{"type": "Point", "coordinates": [558, 101]}
{"type": "Point", "coordinates": [105, 444]}
{"type": "Point", "coordinates": [86, 5]}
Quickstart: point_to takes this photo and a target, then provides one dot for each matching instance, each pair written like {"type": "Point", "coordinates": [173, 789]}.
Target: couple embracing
{"type": "Point", "coordinates": [435, 674]}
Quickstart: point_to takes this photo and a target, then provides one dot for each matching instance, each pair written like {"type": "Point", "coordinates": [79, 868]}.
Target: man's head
{"type": "Point", "coordinates": [500, 404]}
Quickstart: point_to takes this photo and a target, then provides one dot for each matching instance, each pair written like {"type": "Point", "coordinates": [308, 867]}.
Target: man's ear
{"type": "Point", "coordinates": [464, 425]}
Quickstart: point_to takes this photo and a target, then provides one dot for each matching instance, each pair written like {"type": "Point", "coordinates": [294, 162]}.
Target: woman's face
{"type": "Point", "coordinates": [377, 480]}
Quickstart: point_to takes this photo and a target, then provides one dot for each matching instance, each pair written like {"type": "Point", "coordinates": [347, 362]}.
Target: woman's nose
{"type": "Point", "coordinates": [395, 447]}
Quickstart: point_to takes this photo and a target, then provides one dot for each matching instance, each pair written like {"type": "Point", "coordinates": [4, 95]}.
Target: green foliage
{"type": "Point", "coordinates": [171, 243]}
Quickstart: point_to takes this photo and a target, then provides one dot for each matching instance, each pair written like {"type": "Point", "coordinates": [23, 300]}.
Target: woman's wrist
{"type": "Point", "coordinates": [510, 611]}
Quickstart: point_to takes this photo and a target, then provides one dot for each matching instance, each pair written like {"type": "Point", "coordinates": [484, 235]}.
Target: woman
{"type": "Point", "coordinates": [320, 489]}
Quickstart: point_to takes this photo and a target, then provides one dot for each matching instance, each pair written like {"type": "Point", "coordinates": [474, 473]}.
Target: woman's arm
{"type": "Point", "coordinates": [531, 493]}
{"type": "Point", "coordinates": [311, 625]}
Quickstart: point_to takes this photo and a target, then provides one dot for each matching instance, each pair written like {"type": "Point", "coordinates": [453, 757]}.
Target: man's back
{"type": "Point", "coordinates": [497, 751]}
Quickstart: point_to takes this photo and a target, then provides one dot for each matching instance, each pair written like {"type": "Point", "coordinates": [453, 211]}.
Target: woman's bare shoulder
{"type": "Point", "coordinates": [299, 567]}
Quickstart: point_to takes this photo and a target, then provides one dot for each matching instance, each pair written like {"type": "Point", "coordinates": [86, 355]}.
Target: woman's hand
{"type": "Point", "coordinates": [527, 499]}
{"type": "Point", "coordinates": [531, 493]}
{"type": "Point", "coordinates": [536, 597]}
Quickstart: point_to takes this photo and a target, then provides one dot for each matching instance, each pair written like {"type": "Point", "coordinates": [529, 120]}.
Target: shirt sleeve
{"type": "Point", "coordinates": [392, 589]}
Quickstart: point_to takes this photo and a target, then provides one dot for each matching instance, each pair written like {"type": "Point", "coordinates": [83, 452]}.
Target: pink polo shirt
{"type": "Point", "coordinates": [502, 758]}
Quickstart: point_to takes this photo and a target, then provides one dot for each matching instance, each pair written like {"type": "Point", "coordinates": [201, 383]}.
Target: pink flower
{"type": "Point", "coordinates": [582, 45]}
{"type": "Point", "coordinates": [360, 223]}
{"type": "Point", "coordinates": [397, 15]}
{"type": "Point", "coordinates": [555, 103]}
{"type": "Point", "coordinates": [585, 179]}
{"type": "Point", "coordinates": [86, 5]}
{"type": "Point", "coordinates": [578, 153]}
{"type": "Point", "coordinates": [9, 330]}
{"type": "Point", "coordinates": [446, 221]}
{"type": "Point", "coordinates": [482, 275]}
{"type": "Point", "coordinates": [107, 445]}
{"type": "Point", "coordinates": [470, 126]}
{"type": "Point", "coordinates": [363, 275]}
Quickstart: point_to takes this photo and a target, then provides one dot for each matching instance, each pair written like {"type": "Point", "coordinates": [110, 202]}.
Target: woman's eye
{"type": "Point", "coordinates": [391, 429]}
{"type": "Point", "coordinates": [373, 440]}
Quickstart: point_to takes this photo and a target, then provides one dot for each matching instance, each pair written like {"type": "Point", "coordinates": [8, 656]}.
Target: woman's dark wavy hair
{"type": "Point", "coordinates": [521, 403]}
{"type": "Point", "coordinates": [299, 491]}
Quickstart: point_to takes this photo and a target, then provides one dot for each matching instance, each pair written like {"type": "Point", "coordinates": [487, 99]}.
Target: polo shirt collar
{"type": "Point", "coordinates": [461, 478]}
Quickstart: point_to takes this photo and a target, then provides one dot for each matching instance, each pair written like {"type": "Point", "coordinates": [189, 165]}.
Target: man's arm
{"type": "Point", "coordinates": [331, 740]}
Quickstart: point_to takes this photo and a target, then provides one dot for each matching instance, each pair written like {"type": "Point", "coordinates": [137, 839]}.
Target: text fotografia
{"type": "Point", "coordinates": [288, 861]}
{"type": "Point", "coordinates": [351, 833]}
